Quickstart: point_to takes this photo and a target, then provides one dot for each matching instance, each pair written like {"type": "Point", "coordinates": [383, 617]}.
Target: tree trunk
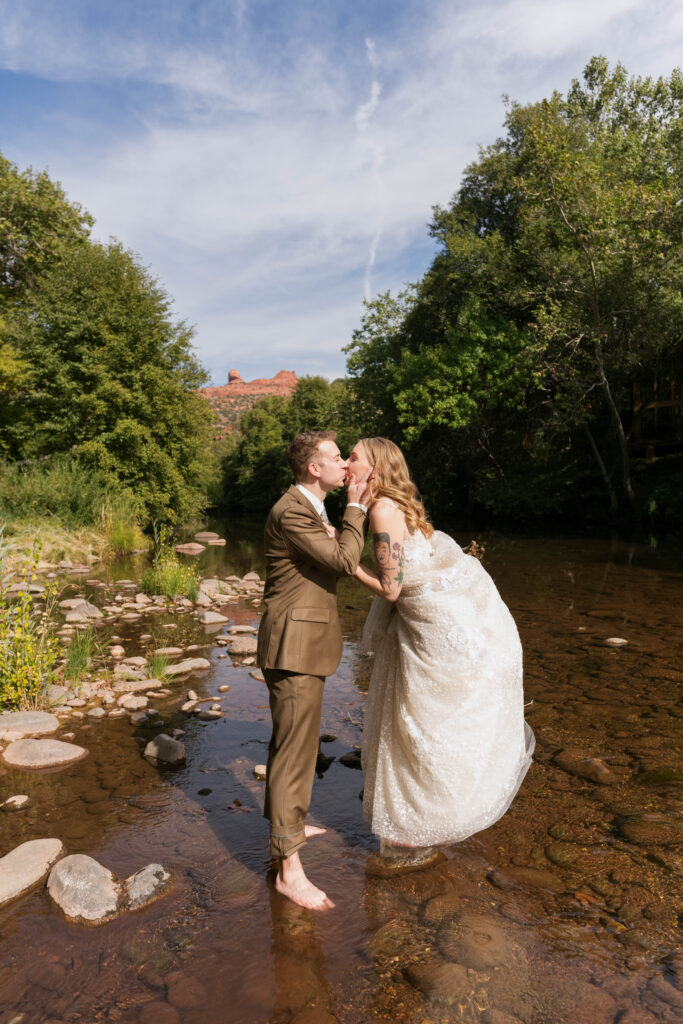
{"type": "Point", "coordinates": [613, 503]}
{"type": "Point", "coordinates": [623, 443]}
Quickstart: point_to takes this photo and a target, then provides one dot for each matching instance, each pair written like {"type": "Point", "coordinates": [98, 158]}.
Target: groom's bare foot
{"type": "Point", "coordinates": [313, 830]}
{"type": "Point", "coordinates": [291, 882]}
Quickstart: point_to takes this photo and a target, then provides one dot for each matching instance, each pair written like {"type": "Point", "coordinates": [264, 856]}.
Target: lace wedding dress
{"type": "Point", "coordinates": [445, 744]}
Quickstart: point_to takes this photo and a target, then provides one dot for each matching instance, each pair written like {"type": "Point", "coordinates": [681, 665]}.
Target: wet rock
{"type": "Point", "coordinates": [134, 685]}
{"type": "Point", "coordinates": [352, 759]}
{"type": "Point", "coordinates": [616, 641]}
{"type": "Point", "coordinates": [652, 830]}
{"type": "Point", "coordinates": [209, 716]}
{"type": "Point", "coordinates": [241, 628]}
{"type": "Point", "coordinates": [24, 866]}
{"type": "Point", "coordinates": [192, 695]}
{"type": "Point", "coordinates": [203, 535]}
{"type": "Point", "coordinates": [445, 984]}
{"type": "Point", "coordinates": [443, 905]}
{"type": "Point", "coordinates": [260, 772]}
{"type": "Point", "coordinates": [209, 618]}
{"type": "Point", "coordinates": [497, 1017]}
{"type": "Point", "coordinates": [562, 854]}
{"type": "Point", "coordinates": [664, 990]}
{"type": "Point", "coordinates": [534, 878]}
{"type": "Point", "coordinates": [117, 713]}
{"type": "Point", "coordinates": [164, 749]}
{"type": "Point", "coordinates": [122, 671]}
{"type": "Point", "coordinates": [158, 1012]}
{"type": "Point", "coordinates": [183, 991]}
{"type": "Point", "coordinates": [658, 777]}
{"type": "Point", "coordinates": [223, 689]}
{"type": "Point", "coordinates": [42, 753]}
{"type": "Point", "coordinates": [84, 889]}
{"type": "Point", "coordinates": [169, 652]}
{"type": "Point", "coordinates": [203, 601]}
{"type": "Point", "coordinates": [136, 662]}
{"type": "Point", "coordinates": [189, 549]}
{"type": "Point", "coordinates": [83, 611]}
{"type": "Point", "coordinates": [476, 941]}
{"type": "Point", "coordinates": [673, 966]}
{"type": "Point", "coordinates": [16, 803]}
{"type": "Point", "coordinates": [633, 1015]}
{"type": "Point", "coordinates": [578, 762]}
{"type": "Point", "coordinates": [96, 713]}
{"type": "Point", "coordinates": [188, 665]}
{"type": "Point", "coordinates": [27, 723]}
{"type": "Point", "coordinates": [243, 645]}
{"type": "Point", "coordinates": [143, 600]}
{"type": "Point", "coordinates": [146, 885]}
{"type": "Point", "coordinates": [76, 702]}
{"type": "Point", "coordinates": [188, 706]}
{"type": "Point", "coordinates": [258, 675]}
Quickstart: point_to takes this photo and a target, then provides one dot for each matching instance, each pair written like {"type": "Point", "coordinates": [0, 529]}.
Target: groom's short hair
{"type": "Point", "coordinates": [304, 449]}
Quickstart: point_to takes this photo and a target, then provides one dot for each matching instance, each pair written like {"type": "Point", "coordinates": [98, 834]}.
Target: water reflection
{"type": "Point", "coordinates": [565, 910]}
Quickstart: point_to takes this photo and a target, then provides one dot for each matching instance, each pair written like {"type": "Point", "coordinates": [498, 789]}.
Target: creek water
{"type": "Point", "coordinates": [565, 911]}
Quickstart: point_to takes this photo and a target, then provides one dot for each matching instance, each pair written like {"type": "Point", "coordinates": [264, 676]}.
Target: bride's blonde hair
{"type": "Point", "coordinates": [391, 479]}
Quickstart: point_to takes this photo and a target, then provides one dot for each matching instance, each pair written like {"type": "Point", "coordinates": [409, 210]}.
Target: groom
{"type": "Point", "coordinates": [299, 641]}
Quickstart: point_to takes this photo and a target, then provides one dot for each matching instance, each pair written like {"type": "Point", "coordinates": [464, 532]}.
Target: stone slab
{"type": "Point", "coordinates": [26, 865]}
{"type": "Point", "coordinates": [42, 753]}
{"type": "Point", "coordinates": [28, 723]}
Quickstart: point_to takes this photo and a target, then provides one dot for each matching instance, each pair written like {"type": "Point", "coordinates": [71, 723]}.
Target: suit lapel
{"type": "Point", "coordinates": [295, 493]}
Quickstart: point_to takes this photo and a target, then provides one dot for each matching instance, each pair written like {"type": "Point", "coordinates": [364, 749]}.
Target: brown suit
{"type": "Point", "coordinates": [299, 643]}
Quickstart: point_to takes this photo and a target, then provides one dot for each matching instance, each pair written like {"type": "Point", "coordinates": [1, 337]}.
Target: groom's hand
{"type": "Point", "coordinates": [358, 490]}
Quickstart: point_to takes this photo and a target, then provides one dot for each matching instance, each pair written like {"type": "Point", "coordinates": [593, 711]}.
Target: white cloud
{"type": "Point", "coordinates": [270, 185]}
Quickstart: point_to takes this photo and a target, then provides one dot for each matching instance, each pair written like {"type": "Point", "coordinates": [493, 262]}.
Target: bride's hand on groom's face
{"type": "Point", "coordinates": [358, 488]}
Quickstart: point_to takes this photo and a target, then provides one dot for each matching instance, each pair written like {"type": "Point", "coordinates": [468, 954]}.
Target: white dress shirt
{"type": "Point", "coordinates": [319, 505]}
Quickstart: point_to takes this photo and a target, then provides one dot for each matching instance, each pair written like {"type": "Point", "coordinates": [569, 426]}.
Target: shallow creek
{"type": "Point", "coordinates": [565, 911]}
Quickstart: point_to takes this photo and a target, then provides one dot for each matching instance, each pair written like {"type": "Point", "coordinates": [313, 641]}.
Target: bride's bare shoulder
{"type": "Point", "coordinates": [386, 516]}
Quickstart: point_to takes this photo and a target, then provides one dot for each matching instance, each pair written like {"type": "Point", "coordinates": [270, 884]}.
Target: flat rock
{"type": "Point", "coordinates": [133, 702]}
{"type": "Point", "coordinates": [216, 542]}
{"type": "Point", "coordinates": [476, 941]}
{"type": "Point", "coordinates": [188, 665]}
{"type": "Point", "coordinates": [242, 628]}
{"type": "Point", "coordinates": [96, 713]}
{"type": "Point", "coordinates": [169, 652]}
{"type": "Point", "coordinates": [258, 674]}
{"type": "Point", "coordinates": [137, 661]}
{"type": "Point", "coordinates": [27, 723]}
{"type": "Point", "coordinates": [209, 618]}
{"type": "Point", "coordinates": [26, 865]}
{"type": "Point", "coordinates": [209, 716]}
{"type": "Point", "coordinates": [243, 645]}
{"type": "Point", "coordinates": [146, 885]}
{"type": "Point", "coordinates": [190, 549]}
{"type": "Point", "coordinates": [42, 753]}
{"type": "Point", "coordinates": [84, 889]}
{"type": "Point", "coordinates": [203, 535]}
{"type": "Point", "coordinates": [134, 685]}
{"type": "Point", "coordinates": [163, 749]}
{"type": "Point", "coordinates": [445, 984]}
{"type": "Point", "coordinates": [616, 641]}
{"type": "Point", "coordinates": [81, 611]}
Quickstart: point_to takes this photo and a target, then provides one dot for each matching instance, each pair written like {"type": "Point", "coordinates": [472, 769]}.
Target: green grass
{"type": "Point", "coordinates": [79, 655]}
{"type": "Point", "coordinates": [156, 666]}
{"type": "Point", "coordinates": [170, 577]}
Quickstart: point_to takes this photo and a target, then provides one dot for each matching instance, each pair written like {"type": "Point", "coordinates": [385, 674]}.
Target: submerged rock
{"type": "Point", "coordinates": [16, 803]}
{"type": "Point", "coordinates": [26, 865]}
{"type": "Point", "coordinates": [476, 941]}
{"type": "Point", "coordinates": [188, 665]}
{"type": "Point", "coordinates": [578, 762]}
{"type": "Point", "coordinates": [27, 723]}
{"type": "Point", "coordinates": [84, 889]}
{"type": "Point", "coordinates": [443, 983]}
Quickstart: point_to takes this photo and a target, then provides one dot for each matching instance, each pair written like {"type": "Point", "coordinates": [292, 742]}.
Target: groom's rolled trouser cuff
{"type": "Point", "coordinates": [295, 706]}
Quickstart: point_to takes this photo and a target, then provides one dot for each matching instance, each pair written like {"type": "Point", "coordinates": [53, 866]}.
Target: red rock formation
{"type": "Point", "coordinates": [230, 400]}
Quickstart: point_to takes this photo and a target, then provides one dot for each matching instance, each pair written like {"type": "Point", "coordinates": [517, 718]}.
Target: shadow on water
{"type": "Point", "coordinates": [565, 910]}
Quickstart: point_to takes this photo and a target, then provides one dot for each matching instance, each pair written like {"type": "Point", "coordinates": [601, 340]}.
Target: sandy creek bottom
{"type": "Point", "coordinates": [565, 911]}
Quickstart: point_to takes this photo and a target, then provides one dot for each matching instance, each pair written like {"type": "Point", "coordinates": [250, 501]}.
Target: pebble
{"type": "Point", "coordinates": [192, 695]}
{"type": "Point", "coordinates": [258, 674]}
{"type": "Point", "coordinates": [137, 718]}
{"type": "Point", "coordinates": [16, 803]}
{"type": "Point", "coordinates": [260, 772]}
{"type": "Point", "coordinates": [616, 641]}
{"type": "Point", "coordinates": [209, 716]}
{"type": "Point", "coordinates": [223, 689]}
{"type": "Point", "coordinates": [117, 651]}
{"type": "Point", "coordinates": [188, 706]}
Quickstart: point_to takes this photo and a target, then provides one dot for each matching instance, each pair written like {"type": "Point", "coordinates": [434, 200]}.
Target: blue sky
{"type": "Point", "coordinates": [273, 163]}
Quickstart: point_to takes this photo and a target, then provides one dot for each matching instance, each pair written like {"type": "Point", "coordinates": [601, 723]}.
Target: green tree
{"type": "Point", "coordinates": [113, 380]}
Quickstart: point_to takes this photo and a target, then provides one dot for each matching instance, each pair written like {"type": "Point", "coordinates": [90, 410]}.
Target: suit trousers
{"type": "Point", "coordinates": [295, 706]}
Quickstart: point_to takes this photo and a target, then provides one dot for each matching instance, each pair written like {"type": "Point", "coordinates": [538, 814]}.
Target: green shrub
{"type": "Point", "coordinates": [156, 666]}
{"type": "Point", "coordinates": [28, 646]}
{"type": "Point", "coordinates": [171, 577]}
{"type": "Point", "coordinates": [121, 528]}
{"type": "Point", "coordinates": [60, 488]}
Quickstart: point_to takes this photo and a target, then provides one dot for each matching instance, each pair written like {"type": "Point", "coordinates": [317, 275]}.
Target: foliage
{"type": "Point", "coordinates": [28, 646]}
{"type": "Point", "coordinates": [79, 655]}
{"type": "Point", "coordinates": [255, 470]}
{"type": "Point", "coordinates": [507, 370]}
{"type": "Point", "coordinates": [169, 576]}
{"type": "Point", "coordinates": [157, 665]}
{"type": "Point", "coordinates": [121, 530]}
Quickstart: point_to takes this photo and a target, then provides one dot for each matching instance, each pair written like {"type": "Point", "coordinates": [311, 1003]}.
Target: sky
{"type": "Point", "coordinates": [276, 163]}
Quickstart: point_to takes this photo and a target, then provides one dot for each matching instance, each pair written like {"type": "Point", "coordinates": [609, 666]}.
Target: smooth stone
{"type": "Point", "coordinates": [192, 695]}
{"type": "Point", "coordinates": [251, 577]}
{"type": "Point", "coordinates": [117, 713]}
{"type": "Point", "coordinates": [206, 535]}
{"type": "Point", "coordinates": [616, 641]}
{"type": "Point", "coordinates": [146, 885]}
{"type": "Point", "coordinates": [444, 984]}
{"type": "Point", "coordinates": [208, 618]}
{"type": "Point", "coordinates": [243, 645]}
{"type": "Point", "coordinates": [41, 753]}
{"type": "Point", "coordinates": [217, 542]}
{"type": "Point", "coordinates": [165, 750]}
{"type": "Point", "coordinates": [137, 717]}
{"type": "Point", "coordinates": [134, 685]}
{"type": "Point", "coordinates": [208, 716]}
{"type": "Point", "coordinates": [242, 628]}
{"type": "Point", "coordinates": [117, 651]}
{"type": "Point", "coordinates": [188, 665]}
{"type": "Point", "coordinates": [24, 866]}
{"type": "Point", "coordinates": [133, 702]}
{"type": "Point", "coordinates": [169, 652]}
{"type": "Point", "coordinates": [96, 713]}
{"type": "Point", "coordinates": [28, 723]}
{"type": "Point", "coordinates": [76, 702]}
{"type": "Point", "coordinates": [189, 549]}
{"type": "Point", "coordinates": [578, 762]}
{"type": "Point", "coordinates": [203, 600]}
{"type": "Point", "coordinates": [137, 661]}
{"type": "Point", "coordinates": [224, 688]}
{"type": "Point", "coordinates": [476, 941]}
{"type": "Point", "coordinates": [188, 706]}
{"type": "Point", "coordinates": [260, 772]}
{"type": "Point", "coordinates": [16, 803]}
{"type": "Point", "coordinates": [84, 889]}
{"type": "Point", "coordinates": [258, 675]}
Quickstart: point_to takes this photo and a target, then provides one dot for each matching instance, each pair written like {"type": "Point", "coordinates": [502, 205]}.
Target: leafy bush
{"type": "Point", "coordinates": [171, 577]}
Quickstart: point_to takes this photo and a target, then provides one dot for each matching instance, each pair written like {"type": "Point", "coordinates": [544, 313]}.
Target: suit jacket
{"type": "Point", "coordinates": [300, 631]}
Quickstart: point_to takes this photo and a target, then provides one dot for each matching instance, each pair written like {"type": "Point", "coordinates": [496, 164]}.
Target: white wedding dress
{"type": "Point", "coordinates": [445, 744]}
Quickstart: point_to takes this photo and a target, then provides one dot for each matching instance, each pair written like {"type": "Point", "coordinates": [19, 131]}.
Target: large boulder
{"type": "Point", "coordinates": [26, 865]}
{"type": "Point", "coordinates": [42, 753]}
{"type": "Point", "coordinates": [85, 890]}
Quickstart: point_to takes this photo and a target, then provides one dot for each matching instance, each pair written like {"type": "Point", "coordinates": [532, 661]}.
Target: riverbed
{"type": "Point", "coordinates": [564, 911]}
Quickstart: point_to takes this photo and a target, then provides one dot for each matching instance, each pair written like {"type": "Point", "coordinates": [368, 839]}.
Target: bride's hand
{"type": "Point", "coordinates": [358, 490]}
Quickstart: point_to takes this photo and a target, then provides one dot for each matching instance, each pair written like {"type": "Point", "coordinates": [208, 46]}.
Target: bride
{"type": "Point", "coordinates": [445, 744]}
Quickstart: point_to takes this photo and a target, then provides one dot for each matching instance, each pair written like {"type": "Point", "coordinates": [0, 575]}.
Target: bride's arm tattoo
{"type": "Point", "coordinates": [389, 560]}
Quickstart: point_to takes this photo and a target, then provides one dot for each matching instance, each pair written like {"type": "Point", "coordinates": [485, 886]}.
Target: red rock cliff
{"type": "Point", "coordinates": [230, 400]}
